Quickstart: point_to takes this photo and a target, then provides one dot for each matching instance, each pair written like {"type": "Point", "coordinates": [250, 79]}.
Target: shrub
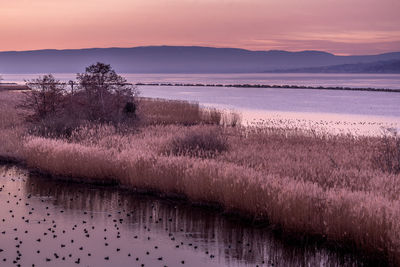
{"type": "Point", "coordinates": [60, 126]}
{"type": "Point", "coordinates": [130, 109]}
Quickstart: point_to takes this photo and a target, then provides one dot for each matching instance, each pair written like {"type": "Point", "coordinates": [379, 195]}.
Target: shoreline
{"type": "Point", "coordinates": [336, 88]}
{"type": "Point", "coordinates": [13, 86]}
{"type": "Point", "coordinates": [308, 185]}
{"type": "Point", "coordinates": [292, 236]}
{"type": "Point", "coordinates": [18, 86]}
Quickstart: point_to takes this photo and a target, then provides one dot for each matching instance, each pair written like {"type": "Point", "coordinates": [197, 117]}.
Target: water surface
{"type": "Point", "coordinates": [53, 223]}
{"type": "Point", "coordinates": [356, 112]}
{"type": "Point", "coordinates": [389, 81]}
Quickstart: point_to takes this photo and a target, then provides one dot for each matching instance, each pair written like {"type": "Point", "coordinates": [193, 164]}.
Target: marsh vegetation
{"type": "Point", "coordinates": [341, 188]}
{"type": "Point", "coordinates": [69, 224]}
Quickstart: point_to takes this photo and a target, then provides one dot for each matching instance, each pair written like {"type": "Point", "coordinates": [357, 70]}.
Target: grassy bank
{"type": "Point", "coordinates": [343, 188]}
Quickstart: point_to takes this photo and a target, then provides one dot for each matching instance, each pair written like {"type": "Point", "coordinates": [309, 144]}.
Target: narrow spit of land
{"type": "Point", "coordinates": [15, 86]}
{"type": "Point", "coordinates": [338, 88]}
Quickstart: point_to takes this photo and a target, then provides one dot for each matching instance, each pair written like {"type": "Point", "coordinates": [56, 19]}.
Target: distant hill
{"type": "Point", "coordinates": [389, 66]}
{"type": "Point", "coordinates": [175, 59]}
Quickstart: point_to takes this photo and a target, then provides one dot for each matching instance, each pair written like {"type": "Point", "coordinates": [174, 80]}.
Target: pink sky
{"type": "Point", "coordinates": [337, 26]}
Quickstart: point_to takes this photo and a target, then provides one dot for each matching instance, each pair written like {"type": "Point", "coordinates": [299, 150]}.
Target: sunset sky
{"type": "Point", "coordinates": [338, 26]}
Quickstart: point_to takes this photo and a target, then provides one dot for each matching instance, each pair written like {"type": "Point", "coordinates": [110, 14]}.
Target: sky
{"type": "Point", "coordinates": [342, 27]}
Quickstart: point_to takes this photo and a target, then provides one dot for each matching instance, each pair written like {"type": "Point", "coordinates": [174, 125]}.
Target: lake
{"type": "Point", "coordinates": [355, 112]}
{"type": "Point", "coordinates": [390, 81]}
{"type": "Point", "coordinates": [46, 222]}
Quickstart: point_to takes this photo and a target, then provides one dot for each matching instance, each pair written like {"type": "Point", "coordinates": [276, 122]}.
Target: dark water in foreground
{"type": "Point", "coordinates": [53, 223]}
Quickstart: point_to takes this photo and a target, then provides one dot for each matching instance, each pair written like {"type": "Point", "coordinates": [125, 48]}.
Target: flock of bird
{"type": "Point", "coordinates": [37, 229]}
{"type": "Point", "coordinates": [52, 223]}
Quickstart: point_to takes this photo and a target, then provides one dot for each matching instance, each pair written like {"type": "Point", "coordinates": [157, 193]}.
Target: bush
{"type": "Point", "coordinates": [56, 126]}
{"type": "Point", "coordinates": [130, 109]}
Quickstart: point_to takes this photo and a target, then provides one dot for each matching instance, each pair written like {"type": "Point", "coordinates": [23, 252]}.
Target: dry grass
{"type": "Point", "coordinates": [203, 142]}
{"type": "Point", "coordinates": [162, 111]}
{"type": "Point", "coordinates": [324, 185]}
{"type": "Point", "coordinates": [150, 112]}
{"type": "Point", "coordinates": [387, 156]}
{"type": "Point", "coordinates": [12, 126]}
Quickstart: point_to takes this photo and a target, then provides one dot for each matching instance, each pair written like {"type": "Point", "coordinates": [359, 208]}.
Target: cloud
{"type": "Point", "coordinates": [338, 26]}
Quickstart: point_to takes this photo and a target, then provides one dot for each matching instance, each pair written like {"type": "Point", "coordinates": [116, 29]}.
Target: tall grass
{"type": "Point", "coordinates": [387, 156]}
{"type": "Point", "coordinates": [163, 111]}
{"type": "Point", "coordinates": [12, 127]}
{"type": "Point", "coordinates": [205, 142]}
{"type": "Point", "coordinates": [150, 112]}
{"type": "Point", "coordinates": [323, 185]}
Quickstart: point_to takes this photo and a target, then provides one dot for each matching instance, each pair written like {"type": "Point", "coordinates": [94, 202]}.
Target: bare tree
{"type": "Point", "coordinates": [101, 96]}
{"type": "Point", "coordinates": [45, 96]}
{"type": "Point", "coordinates": [106, 93]}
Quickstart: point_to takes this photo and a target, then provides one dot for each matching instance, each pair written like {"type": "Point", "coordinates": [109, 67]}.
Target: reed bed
{"type": "Point", "coordinates": [319, 185]}
{"type": "Point", "coordinates": [341, 187]}
{"type": "Point", "coordinates": [12, 126]}
{"type": "Point", "coordinates": [163, 112]}
{"type": "Point", "coordinates": [158, 111]}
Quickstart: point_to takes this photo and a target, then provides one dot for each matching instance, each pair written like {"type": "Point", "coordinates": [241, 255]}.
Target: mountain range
{"type": "Point", "coordinates": [187, 59]}
{"type": "Point", "coordinates": [389, 66]}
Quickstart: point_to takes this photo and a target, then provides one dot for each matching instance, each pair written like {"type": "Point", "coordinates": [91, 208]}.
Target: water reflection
{"type": "Point", "coordinates": [132, 229]}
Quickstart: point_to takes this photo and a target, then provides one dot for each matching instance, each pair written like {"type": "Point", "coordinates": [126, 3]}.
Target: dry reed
{"type": "Point", "coordinates": [12, 126]}
{"type": "Point", "coordinates": [317, 185]}
{"type": "Point", "coordinates": [162, 111]}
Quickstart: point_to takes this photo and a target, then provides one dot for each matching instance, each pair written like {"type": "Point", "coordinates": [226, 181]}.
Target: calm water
{"type": "Point", "coordinates": [390, 81]}
{"type": "Point", "coordinates": [53, 223]}
{"type": "Point", "coordinates": [338, 111]}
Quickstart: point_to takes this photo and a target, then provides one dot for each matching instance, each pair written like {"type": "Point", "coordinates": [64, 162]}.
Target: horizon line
{"type": "Point", "coordinates": [187, 46]}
